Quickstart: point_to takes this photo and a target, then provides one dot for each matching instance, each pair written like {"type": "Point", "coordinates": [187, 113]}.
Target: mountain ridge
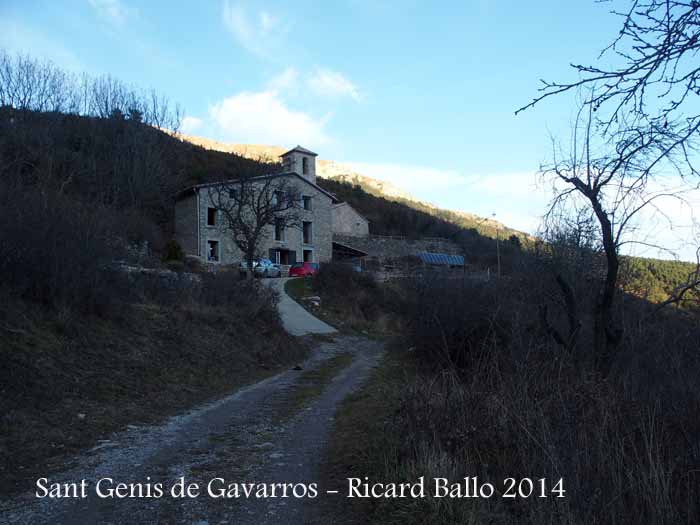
{"type": "Point", "coordinates": [342, 172]}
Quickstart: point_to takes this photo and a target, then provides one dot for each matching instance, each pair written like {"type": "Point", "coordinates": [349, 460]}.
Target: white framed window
{"type": "Point", "coordinates": [213, 251]}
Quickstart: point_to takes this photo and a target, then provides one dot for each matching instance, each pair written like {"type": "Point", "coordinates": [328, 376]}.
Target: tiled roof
{"type": "Point", "coordinates": [300, 150]}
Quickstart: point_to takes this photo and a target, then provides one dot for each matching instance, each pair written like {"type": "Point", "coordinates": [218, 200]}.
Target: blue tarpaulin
{"type": "Point", "coordinates": [441, 259]}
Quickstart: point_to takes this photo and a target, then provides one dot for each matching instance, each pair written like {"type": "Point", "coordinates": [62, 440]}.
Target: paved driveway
{"type": "Point", "coordinates": [296, 320]}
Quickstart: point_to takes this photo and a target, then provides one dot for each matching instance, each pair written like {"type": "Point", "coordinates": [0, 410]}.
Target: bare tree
{"type": "Point", "coordinates": [612, 179]}
{"type": "Point", "coordinates": [252, 207]}
{"type": "Point", "coordinates": [658, 80]}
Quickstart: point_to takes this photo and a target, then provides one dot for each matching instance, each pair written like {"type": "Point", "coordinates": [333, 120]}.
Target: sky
{"type": "Point", "coordinates": [421, 94]}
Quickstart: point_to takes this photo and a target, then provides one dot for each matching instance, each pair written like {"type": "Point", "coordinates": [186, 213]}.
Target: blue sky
{"type": "Point", "coordinates": [419, 93]}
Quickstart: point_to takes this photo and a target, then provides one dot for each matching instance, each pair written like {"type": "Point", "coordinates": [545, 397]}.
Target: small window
{"type": "Point", "coordinates": [279, 230]}
{"type": "Point", "coordinates": [307, 230]}
{"type": "Point", "coordinates": [213, 251]}
{"type": "Point", "coordinates": [278, 198]}
{"type": "Point", "coordinates": [232, 194]}
{"type": "Point", "coordinates": [211, 216]}
{"type": "Point", "coordinates": [306, 202]}
{"type": "Point", "coordinates": [305, 165]}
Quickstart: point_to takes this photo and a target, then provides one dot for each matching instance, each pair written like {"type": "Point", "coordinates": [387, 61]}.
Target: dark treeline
{"type": "Point", "coordinates": [88, 168]}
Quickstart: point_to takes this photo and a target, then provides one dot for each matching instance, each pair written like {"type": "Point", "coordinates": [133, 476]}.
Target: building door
{"type": "Point", "coordinates": [283, 257]}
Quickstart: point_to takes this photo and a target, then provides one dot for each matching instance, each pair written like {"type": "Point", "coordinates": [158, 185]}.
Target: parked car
{"type": "Point", "coordinates": [261, 268]}
{"type": "Point", "coordinates": [303, 269]}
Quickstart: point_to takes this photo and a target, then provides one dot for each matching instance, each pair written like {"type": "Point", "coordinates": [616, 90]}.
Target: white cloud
{"type": "Point", "coordinates": [114, 11]}
{"type": "Point", "coordinates": [329, 83]}
{"type": "Point", "coordinates": [285, 82]}
{"type": "Point", "coordinates": [263, 118]}
{"type": "Point", "coordinates": [515, 197]}
{"type": "Point", "coordinates": [413, 179]}
{"type": "Point", "coordinates": [190, 124]}
{"type": "Point", "coordinates": [260, 33]}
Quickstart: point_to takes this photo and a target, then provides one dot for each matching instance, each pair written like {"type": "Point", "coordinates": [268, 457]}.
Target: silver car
{"type": "Point", "coordinates": [261, 268]}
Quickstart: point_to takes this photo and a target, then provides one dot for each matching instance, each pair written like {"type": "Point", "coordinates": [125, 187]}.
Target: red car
{"type": "Point", "coordinates": [302, 269]}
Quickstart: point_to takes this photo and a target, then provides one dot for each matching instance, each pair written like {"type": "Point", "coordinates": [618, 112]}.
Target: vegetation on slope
{"type": "Point", "coordinates": [86, 346]}
{"type": "Point", "coordinates": [655, 279]}
{"type": "Point", "coordinates": [477, 386]}
{"type": "Point", "coordinates": [68, 379]}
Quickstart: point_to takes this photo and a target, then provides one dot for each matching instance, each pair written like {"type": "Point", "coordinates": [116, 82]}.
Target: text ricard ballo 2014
{"type": "Point", "coordinates": [220, 488]}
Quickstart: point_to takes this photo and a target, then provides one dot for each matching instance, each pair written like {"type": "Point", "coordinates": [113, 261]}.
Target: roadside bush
{"type": "Point", "coordinates": [251, 299]}
{"type": "Point", "coordinates": [174, 265]}
{"type": "Point", "coordinates": [337, 278]}
{"type": "Point", "coordinates": [451, 323]}
{"type": "Point", "coordinates": [53, 250]}
{"type": "Point", "coordinates": [525, 407]}
{"type": "Point", "coordinates": [355, 297]}
{"type": "Point", "coordinates": [173, 251]}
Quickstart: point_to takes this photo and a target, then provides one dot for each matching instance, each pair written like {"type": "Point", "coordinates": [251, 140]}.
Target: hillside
{"type": "Point", "coordinates": [339, 172]}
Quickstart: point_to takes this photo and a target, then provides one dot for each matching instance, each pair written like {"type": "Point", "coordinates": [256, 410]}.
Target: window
{"type": "Point", "coordinates": [213, 251]}
{"type": "Point", "coordinates": [307, 230]}
{"type": "Point", "coordinates": [306, 202]}
{"type": "Point", "coordinates": [305, 165]}
{"type": "Point", "coordinates": [232, 194]}
{"type": "Point", "coordinates": [211, 216]}
{"type": "Point", "coordinates": [308, 255]}
{"type": "Point", "coordinates": [278, 198]}
{"type": "Point", "coordinates": [279, 230]}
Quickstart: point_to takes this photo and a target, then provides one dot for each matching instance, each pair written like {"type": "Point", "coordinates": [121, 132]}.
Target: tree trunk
{"type": "Point", "coordinates": [249, 266]}
{"type": "Point", "coordinates": [607, 335]}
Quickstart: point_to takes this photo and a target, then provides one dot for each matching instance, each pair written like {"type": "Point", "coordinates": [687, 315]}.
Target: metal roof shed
{"type": "Point", "coordinates": [440, 259]}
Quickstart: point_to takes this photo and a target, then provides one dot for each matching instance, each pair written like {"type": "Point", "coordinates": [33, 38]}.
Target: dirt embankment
{"type": "Point", "coordinates": [65, 384]}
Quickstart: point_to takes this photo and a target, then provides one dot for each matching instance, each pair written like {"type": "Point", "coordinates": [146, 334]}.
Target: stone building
{"type": "Point", "coordinates": [347, 221]}
{"type": "Point", "coordinates": [201, 232]}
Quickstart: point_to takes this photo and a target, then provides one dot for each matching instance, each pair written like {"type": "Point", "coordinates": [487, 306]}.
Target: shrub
{"type": "Point", "coordinates": [175, 265]}
{"type": "Point", "coordinates": [54, 250]}
{"type": "Point", "coordinates": [335, 279]}
{"type": "Point", "coordinates": [451, 323]}
{"type": "Point", "coordinates": [355, 296]}
{"type": "Point", "coordinates": [250, 298]}
{"type": "Point", "coordinates": [525, 407]}
{"type": "Point", "coordinates": [173, 252]}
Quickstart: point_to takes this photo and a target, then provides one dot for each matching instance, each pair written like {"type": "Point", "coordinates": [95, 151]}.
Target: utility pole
{"type": "Point", "coordinates": [498, 247]}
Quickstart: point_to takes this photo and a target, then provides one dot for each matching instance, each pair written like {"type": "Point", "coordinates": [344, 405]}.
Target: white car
{"type": "Point", "coordinates": [261, 268]}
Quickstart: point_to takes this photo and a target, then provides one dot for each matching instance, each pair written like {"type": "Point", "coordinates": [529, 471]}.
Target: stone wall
{"type": "Point", "coordinates": [185, 223]}
{"type": "Point", "coordinates": [319, 216]}
{"type": "Point", "coordinates": [390, 247]}
{"type": "Point", "coordinates": [346, 221]}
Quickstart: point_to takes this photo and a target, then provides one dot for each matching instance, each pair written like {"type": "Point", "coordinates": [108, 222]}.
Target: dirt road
{"type": "Point", "coordinates": [271, 432]}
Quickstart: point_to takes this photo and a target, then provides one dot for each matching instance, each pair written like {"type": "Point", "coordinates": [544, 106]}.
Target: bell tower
{"type": "Point", "coordinates": [302, 161]}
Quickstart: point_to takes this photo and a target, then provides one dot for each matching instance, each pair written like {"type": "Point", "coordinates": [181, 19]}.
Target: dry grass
{"type": "Point", "coordinates": [312, 383]}
{"type": "Point", "coordinates": [495, 399]}
{"type": "Point", "coordinates": [352, 302]}
{"type": "Point", "coordinates": [66, 384]}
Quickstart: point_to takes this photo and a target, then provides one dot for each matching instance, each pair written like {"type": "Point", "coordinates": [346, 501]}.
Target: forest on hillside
{"type": "Point", "coordinates": [105, 158]}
